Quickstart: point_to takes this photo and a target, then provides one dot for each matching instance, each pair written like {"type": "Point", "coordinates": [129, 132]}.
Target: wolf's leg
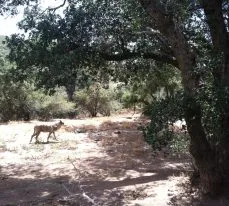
{"type": "Point", "coordinates": [32, 137]}
{"type": "Point", "coordinates": [38, 133]}
{"type": "Point", "coordinates": [49, 136]}
{"type": "Point", "coordinates": [54, 136]}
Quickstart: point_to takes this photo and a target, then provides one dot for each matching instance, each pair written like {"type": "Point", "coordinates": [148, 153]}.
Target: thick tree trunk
{"type": "Point", "coordinates": [220, 40]}
{"type": "Point", "coordinates": [205, 157]}
{"type": "Point", "coordinates": [200, 148]}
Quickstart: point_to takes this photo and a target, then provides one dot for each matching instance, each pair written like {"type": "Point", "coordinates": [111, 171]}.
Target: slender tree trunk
{"type": "Point", "coordinates": [70, 89]}
{"type": "Point", "coordinates": [204, 155]}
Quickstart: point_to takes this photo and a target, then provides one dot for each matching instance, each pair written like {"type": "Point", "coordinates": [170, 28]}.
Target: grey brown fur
{"type": "Point", "coordinates": [46, 128]}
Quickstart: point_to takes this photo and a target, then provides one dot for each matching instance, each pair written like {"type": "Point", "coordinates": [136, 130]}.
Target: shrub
{"type": "Point", "coordinates": [163, 113]}
{"type": "Point", "coordinates": [130, 99]}
{"type": "Point", "coordinates": [45, 106]}
{"type": "Point", "coordinates": [20, 101]}
{"type": "Point", "coordinates": [13, 102]}
{"type": "Point", "coordinates": [97, 99]}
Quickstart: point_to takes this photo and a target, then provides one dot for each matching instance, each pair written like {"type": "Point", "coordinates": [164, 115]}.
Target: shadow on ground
{"type": "Point", "coordinates": [108, 164]}
{"type": "Point", "coordinates": [31, 185]}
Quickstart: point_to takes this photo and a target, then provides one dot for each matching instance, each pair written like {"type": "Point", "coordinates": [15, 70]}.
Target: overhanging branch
{"type": "Point", "coordinates": [55, 8]}
{"type": "Point", "coordinates": [130, 55]}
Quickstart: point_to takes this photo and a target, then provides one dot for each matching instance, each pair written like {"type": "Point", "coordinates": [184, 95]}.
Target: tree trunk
{"type": "Point", "coordinates": [204, 155]}
{"type": "Point", "coordinates": [70, 89]}
{"type": "Point", "coordinates": [220, 40]}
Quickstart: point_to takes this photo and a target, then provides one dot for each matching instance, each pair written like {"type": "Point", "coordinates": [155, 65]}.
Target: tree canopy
{"type": "Point", "coordinates": [89, 33]}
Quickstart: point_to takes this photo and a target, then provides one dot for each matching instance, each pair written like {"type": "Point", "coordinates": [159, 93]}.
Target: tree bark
{"type": "Point", "coordinates": [220, 41]}
{"type": "Point", "coordinates": [219, 34]}
{"type": "Point", "coordinates": [204, 155]}
{"type": "Point", "coordinates": [70, 89]}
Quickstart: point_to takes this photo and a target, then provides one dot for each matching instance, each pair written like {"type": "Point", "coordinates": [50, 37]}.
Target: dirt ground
{"type": "Point", "coordinates": [97, 161]}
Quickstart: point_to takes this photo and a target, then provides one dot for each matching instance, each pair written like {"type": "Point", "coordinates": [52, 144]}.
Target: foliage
{"type": "Point", "coordinates": [212, 100]}
{"type": "Point", "coordinates": [4, 51]}
{"type": "Point", "coordinates": [12, 103]}
{"type": "Point", "coordinates": [144, 88]}
{"type": "Point", "coordinates": [10, 6]}
{"type": "Point", "coordinates": [97, 99]}
{"type": "Point", "coordinates": [12, 96]}
{"type": "Point", "coordinates": [22, 102]}
{"type": "Point", "coordinates": [163, 113]}
{"type": "Point", "coordinates": [68, 50]}
{"type": "Point", "coordinates": [180, 143]}
{"type": "Point", "coordinates": [130, 99]}
{"type": "Point", "coordinates": [45, 106]}
{"type": "Point", "coordinates": [53, 54]}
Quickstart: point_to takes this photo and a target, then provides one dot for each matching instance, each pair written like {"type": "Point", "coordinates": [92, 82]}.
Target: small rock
{"type": "Point", "coordinates": [117, 132]}
{"type": "Point", "coordinates": [79, 131]}
{"type": "Point", "coordinates": [184, 198]}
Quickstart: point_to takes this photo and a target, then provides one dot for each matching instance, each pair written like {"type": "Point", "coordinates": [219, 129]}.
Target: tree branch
{"type": "Point", "coordinates": [218, 30]}
{"type": "Point", "coordinates": [55, 8]}
{"type": "Point", "coordinates": [130, 55]}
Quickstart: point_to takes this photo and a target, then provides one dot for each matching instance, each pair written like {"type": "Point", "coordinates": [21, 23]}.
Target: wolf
{"type": "Point", "coordinates": [46, 128]}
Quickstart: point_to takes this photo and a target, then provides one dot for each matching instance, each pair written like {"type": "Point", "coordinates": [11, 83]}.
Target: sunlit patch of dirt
{"type": "Point", "coordinates": [96, 161]}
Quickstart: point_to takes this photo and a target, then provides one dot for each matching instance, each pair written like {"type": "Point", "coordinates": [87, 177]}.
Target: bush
{"type": "Point", "coordinates": [45, 106]}
{"type": "Point", "coordinates": [163, 113]}
{"type": "Point", "coordinates": [20, 101]}
{"type": "Point", "coordinates": [13, 102]}
{"type": "Point", "coordinates": [97, 100]}
{"type": "Point", "coordinates": [130, 99]}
